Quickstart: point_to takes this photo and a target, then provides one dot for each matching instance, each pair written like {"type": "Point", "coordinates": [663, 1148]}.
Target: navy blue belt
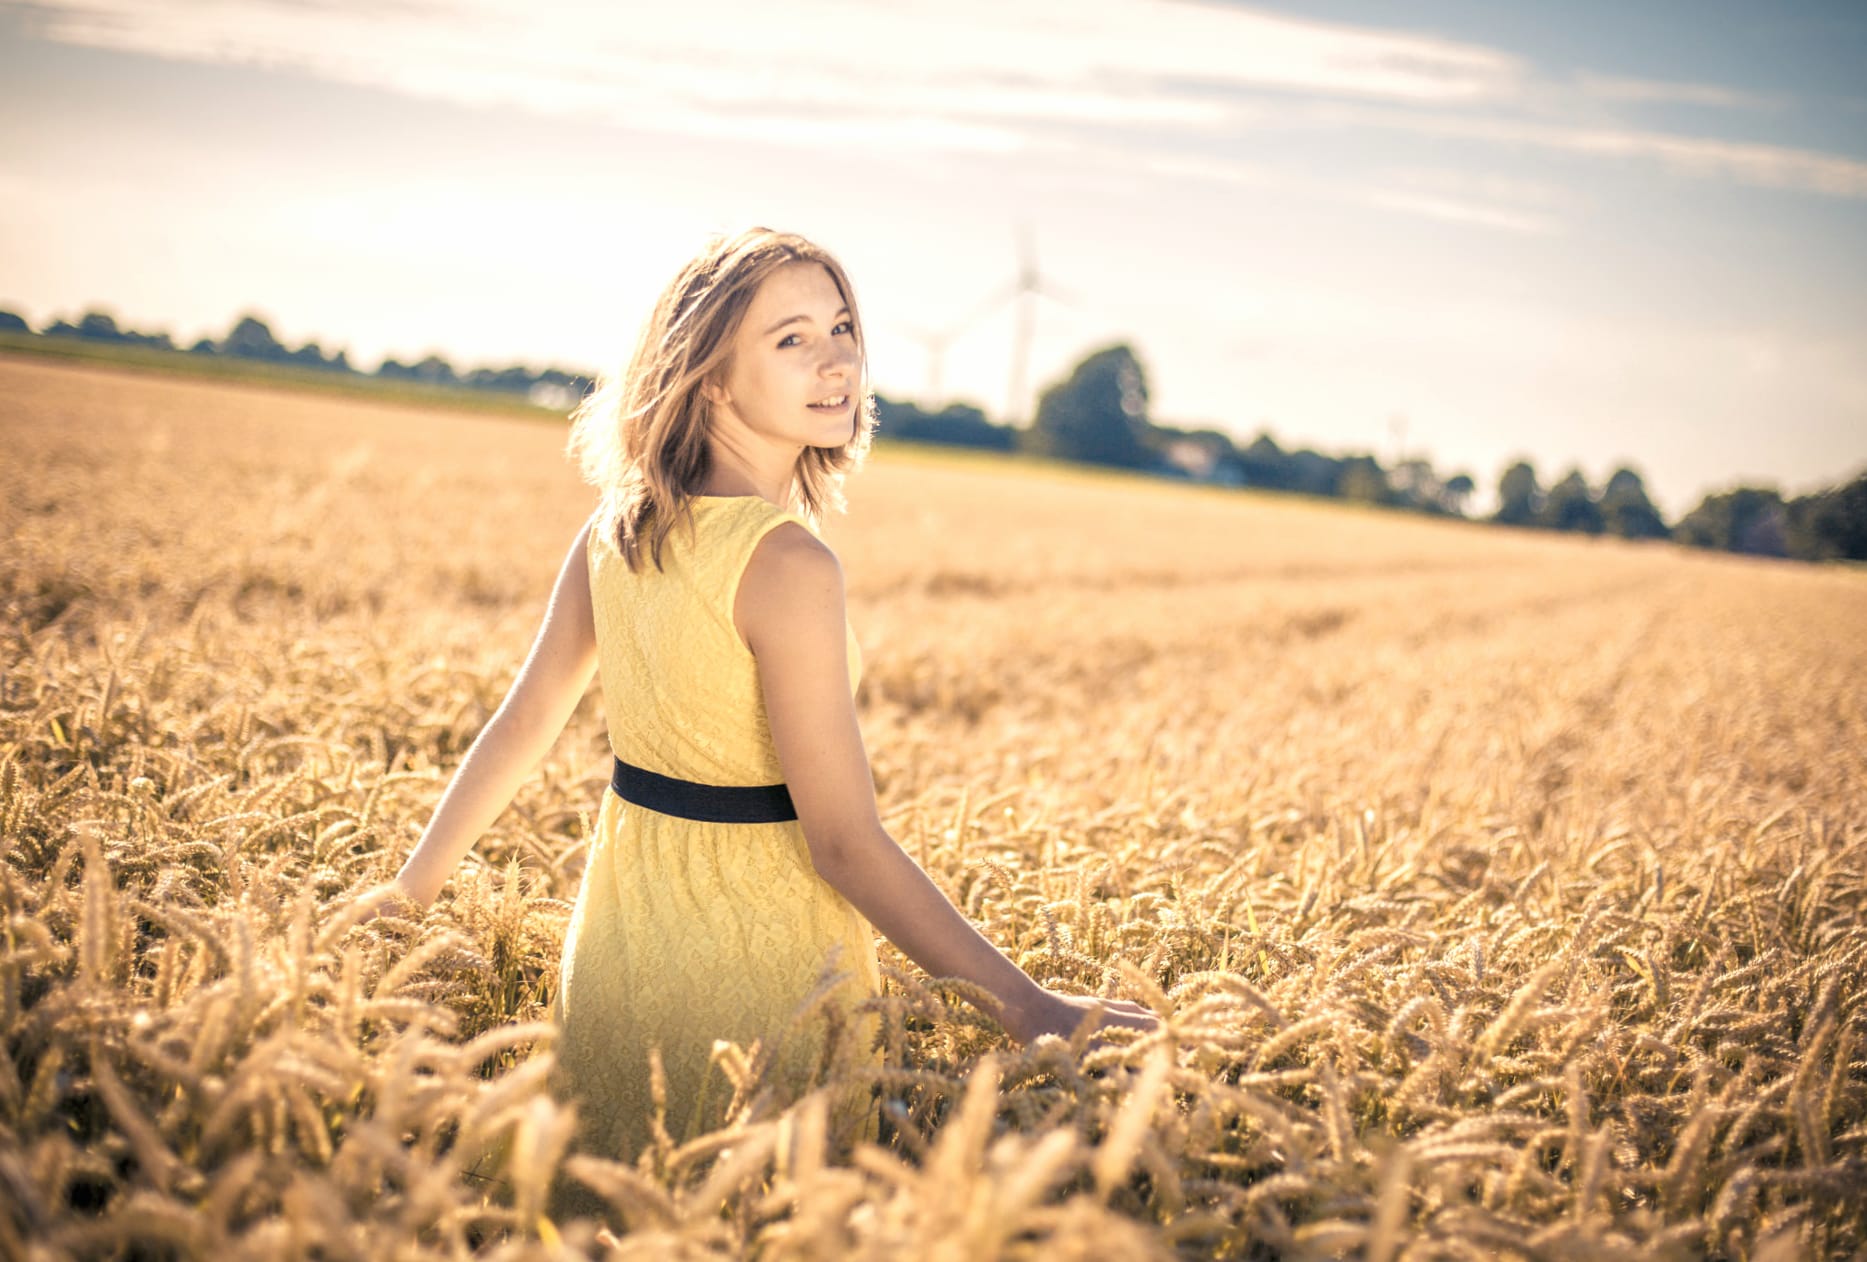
{"type": "Point", "coordinates": [714, 803]}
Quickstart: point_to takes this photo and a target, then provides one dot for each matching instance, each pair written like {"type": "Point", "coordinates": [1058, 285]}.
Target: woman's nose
{"type": "Point", "coordinates": [843, 356]}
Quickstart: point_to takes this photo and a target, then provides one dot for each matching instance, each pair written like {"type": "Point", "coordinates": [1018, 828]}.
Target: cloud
{"type": "Point", "coordinates": [970, 71]}
{"type": "Point", "coordinates": [952, 76]}
{"type": "Point", "coordinates": [1463, 212]}
{"type": "Point", "coordinates": [1643, 91]}
{"type": "Point", "coordinates": [1769, 166]}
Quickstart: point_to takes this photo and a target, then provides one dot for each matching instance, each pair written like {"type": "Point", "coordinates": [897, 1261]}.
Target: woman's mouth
{"type": "Point", "coordinates": [835, 403]}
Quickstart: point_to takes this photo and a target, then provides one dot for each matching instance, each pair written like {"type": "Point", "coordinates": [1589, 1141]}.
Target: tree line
{"type": "Point", "coordinates": [251, 339]}
{"type": "Point", "coordinates": [1098, 414]}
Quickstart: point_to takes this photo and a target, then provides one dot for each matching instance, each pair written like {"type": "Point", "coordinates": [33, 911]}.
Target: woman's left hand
{"type": "Point", "coordinates": [1060, 1014]}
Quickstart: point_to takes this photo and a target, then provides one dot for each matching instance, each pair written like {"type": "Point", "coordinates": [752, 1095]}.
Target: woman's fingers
{"type": "Point", "coordinates": [1104, 1014]}
{"type": "Point", "coordinates": [1131, 1016]}
{"type": "Point", "coordinates": [1123, 1014]}
{"type": "Point", "coordinates": [1131, 1012]}
{"type": "Point", "coordinates": [381, 900]}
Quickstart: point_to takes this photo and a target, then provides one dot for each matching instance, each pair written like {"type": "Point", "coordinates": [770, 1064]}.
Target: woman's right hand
{"type": "Point", "coordinates": [1060, 1014]}
{"type": "Point", "coordinates": [382, 899]}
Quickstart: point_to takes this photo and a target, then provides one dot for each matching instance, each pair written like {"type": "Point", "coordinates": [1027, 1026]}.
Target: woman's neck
{"type": "Point", "coordinates": [768, 473]}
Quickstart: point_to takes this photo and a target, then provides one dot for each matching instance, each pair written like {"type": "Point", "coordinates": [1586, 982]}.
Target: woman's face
{"type": "Point", "coordinates": [795, 349]}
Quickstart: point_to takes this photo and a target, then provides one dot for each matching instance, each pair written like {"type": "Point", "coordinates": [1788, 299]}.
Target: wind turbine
{"type": "Point", "coordinates": [1024, 290]}
{"type": "Point", "coordinates": [936, 341]}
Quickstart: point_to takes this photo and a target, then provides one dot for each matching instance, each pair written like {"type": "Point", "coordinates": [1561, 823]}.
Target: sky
{"type": "Point", "coordinates": [1588, 235]}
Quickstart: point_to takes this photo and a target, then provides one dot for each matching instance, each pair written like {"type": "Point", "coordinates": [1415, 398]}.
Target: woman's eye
{"type": "Point", "coordinates": [841, 326]}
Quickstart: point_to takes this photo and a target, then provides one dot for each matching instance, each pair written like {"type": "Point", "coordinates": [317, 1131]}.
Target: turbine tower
{"type": "Point", "coordinates": [936, 341]}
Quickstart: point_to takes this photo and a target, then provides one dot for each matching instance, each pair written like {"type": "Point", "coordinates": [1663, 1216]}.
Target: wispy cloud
{"type": "Point", "coordinates": [1451, 196]}
{"type": "Point", "coordinates": [1472, 197]}
{"type": "Point", "coordinates": [1646, 91]}
{"type": "Point", "coordinates": [967, 69]}
{"type": "Point", "coordinates": [1463, 212]}
{"type": "Point", "coordinates": [1769, 166]}
{"type": "Point", "coordinates": [955, 76]}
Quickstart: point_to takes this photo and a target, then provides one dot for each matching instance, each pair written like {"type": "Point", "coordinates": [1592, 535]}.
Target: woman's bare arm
{"type": "Point", "coordinates": [790, 610]}
{"type": "Point", "coordinates": [536, 708]}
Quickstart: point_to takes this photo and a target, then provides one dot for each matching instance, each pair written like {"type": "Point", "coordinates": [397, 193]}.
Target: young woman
{"type": "Point", "coordinates": [739, 860]}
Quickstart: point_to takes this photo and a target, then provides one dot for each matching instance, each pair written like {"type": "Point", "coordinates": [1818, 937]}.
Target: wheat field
{"type": "Point", "coordinates": [1504, 891]}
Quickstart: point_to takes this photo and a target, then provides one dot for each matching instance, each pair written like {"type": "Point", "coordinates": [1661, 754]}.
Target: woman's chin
{"type": "Point", "coordinates": [837, 435]}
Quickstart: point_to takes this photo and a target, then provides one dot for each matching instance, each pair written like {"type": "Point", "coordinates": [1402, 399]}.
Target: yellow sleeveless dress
{"type": "Point", "coordinates": [685, 932]}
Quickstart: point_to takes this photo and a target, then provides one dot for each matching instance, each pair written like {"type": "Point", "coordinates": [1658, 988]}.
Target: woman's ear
{"type": "Point", "coordinates": [714, 391]}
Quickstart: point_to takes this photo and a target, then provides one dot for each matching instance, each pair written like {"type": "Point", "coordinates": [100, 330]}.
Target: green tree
{"type": "Point", "coordinates": [1098, 415]}
{"type": "Point", "coordinates": [957, 424]}
{"type": "Point", "coordinates": [311, 355]}
{"type": "Point", "coordinates": [251, 339]}
{"type": "Point", "coordinates": [435, 371]}
{"type": "Point", "coordinates": [1205, 454]}
{"type": "Point", "coordinates": [1626, 511]}
{"type": "Point", "coordinates": [1744, 519]}
{"type": "Point", "coordinates": [1313, 473]}
{"type": "Point", "coordinates": [1571, 505]}
{"type": "Point", "coordinates": [1362, 480]}
{"type": "Point", "coordinates": [432, 370]}
{"type": "Point", "coordinates": [1519, 498]}
{"type": "Point", "coordinates": [99, 326]}
{"type": "Point", "coordinates": [1416, 485]}
{"type": "Point", "coordinates": [515, 380]}
{"type": "Point", "coordinates": [1831, 524]}
{"type": "Point", "coordinates": [1264, 463]}
{"type": "Point", "coordinates": [1456, 491]}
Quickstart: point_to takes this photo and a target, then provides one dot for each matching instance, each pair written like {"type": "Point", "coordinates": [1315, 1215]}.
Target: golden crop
{"type": "Point", "coordinates": [1505, 890]}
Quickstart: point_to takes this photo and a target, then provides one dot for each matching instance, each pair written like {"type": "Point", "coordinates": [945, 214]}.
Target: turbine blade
{"type": "Point", "coordinates": [1067, 297]}
{"type": "Point", "coordinates": [998, 299]}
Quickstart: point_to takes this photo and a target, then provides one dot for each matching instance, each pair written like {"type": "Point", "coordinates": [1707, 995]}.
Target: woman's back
{"type": "Point", "coordinates": [680, 689]}
{"type": "Point", "coordinates": [688, 931]}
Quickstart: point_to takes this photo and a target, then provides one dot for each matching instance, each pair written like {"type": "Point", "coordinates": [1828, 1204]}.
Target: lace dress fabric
{"type": "Point", "coordinates": [686, 932]}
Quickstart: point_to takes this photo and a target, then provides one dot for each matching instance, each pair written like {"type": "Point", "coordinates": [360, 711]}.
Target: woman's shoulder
{"type": "Point", "coordinates": [786, 552]}
{"type": "Point", "coordinates": [792, 576]}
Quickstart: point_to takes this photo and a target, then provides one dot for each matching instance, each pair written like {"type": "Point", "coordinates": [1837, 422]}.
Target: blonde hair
{"type": "Point", "coordinates": [640, 437]}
